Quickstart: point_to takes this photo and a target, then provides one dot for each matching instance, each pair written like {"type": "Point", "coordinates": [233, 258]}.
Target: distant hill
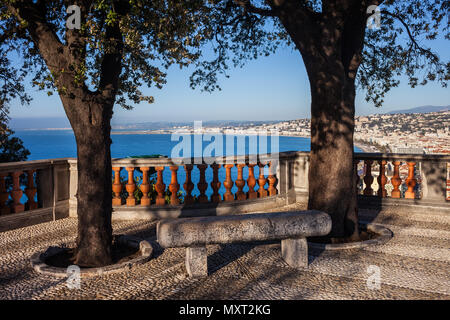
{"type": "Point", "coordinates": [422, 109]}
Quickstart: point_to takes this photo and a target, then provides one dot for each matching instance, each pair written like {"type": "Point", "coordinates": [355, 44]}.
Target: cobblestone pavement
{"type": "Point", "coordinates": [414, 264]}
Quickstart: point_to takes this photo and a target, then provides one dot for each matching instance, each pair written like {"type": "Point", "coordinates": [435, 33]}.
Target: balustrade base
{"type": "Point", "coordinates": [375, 203]}
{"type": "Point", "coordinates": [197, 209]}
{"type": "Point", "coordinates": [28, 218]}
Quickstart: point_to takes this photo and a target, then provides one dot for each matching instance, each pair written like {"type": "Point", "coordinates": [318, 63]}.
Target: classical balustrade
{"type": "Point", "coordinates": [240, 183]}
{"type": "Point", "coordinates": [382, 179]}
{"type": "Point", "coordinates": [130, 187]}
{"type": "Point", "coordinates": [216, 186]}
{"type": "Point", "coordinates": [4, 195]}
{"type": "Point", "coordinates": [379, 175]}
{"type": "Point", "coordinates": [448, 182]}
{"type": "Point", "coordinates": [188, 185]}
{"type": "Point", "coordinates": [262, 181]}
{"type": "Point", "coordinates": [396, 180]}
{"type": "Point", "coordinates": [202, 185]}
{"type": "Point", "coordinates": [47, 189]}
{"type": "Point", "coordinates": [411, 181]}
{"type": "Point", "coordinates": [174, 186]}
{"type": "Point", "coordinates": [160, 187]}
{"type": "Point", "coordinates": [368, 179]}
{"type": "Point", "coordinates": [31, 185]}
{"type": "Point", "coordinates": [145, 186]}
{"type": "Point", "coordinates": [251, 182]}
{"type": "Point", "coordinates": [402, 176]}
{"type": "Point", "coordinates": [272, 179]}
{"type": "Point", "coordinates": [117, 187]}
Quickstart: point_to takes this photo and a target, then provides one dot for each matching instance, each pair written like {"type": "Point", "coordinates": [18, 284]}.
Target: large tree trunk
{"type": "Point", "coordinates": [89, 113]}
{"type": "Point", "coordinates": [332, 183]}
{"type": "Point", "coordinates": [330, 44]}
{"type": "Point", "coordinates": [92, 132]}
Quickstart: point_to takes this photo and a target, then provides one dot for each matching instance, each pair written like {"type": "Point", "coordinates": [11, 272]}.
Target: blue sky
{"type": "Point", "coordinates": [270, 88]}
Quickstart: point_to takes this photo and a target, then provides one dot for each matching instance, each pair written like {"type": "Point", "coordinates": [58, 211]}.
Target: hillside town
{"type": "Point", "coordinates": [419, 133]}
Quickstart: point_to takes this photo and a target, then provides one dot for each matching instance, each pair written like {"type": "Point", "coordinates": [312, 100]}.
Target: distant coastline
{"type": "Point", "coordinates": [417, 130]}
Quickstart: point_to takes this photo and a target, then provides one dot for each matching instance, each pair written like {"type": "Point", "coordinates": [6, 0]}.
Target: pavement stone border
{"type": "Point", "coordinates": [384, 235]}
{"type": "Point", "coordinates": [145, 249]}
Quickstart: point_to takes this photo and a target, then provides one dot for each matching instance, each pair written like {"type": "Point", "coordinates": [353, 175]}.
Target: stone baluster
{"type": "Point", "coordinates": [30, 191]}
{"type": "Point", "coordinates": [272, 179]}
{"type": "Point", "coordinates": [188, 185]}
{"type": "Point", "coordinates": [448, 182]}
{"type": "Point", "coordinates": [160, 187]}
{"type": "Point", "coordinates": [355, 168]}
{"type": "Point", "coordinates": [251, 182]}
{"type": "Point", "coordinates": [4, 196]}
{"type": "Point", "coordinates": [131, 187]}
{"type": "Point", "coordinates": [396, 181]}
{"type": "Point", "coordinates": [382, 179]}
{"type": "Point", "coordinates": [174, 186]}
{"type": "Point", "coordinates": [240, 182]}
{"type": "Point", "coordinates": [215, 183]}
{"type": "Point", "coordinates": [228, 183]}
{"type": "Point", "coordinates": [202, 185]}
{"type": "Point", "coordinates": [262, 181]}
{"type": "Point", "coordinates": [117, 188]}
{"type": "Point", "coordinates": [410, 181]}
{"type": "Point", "coordinates": [145, 186]}
{"type": "Point", "coordinates": [368, 178]}
{"type": "Point", "coordinates": [17, 193]}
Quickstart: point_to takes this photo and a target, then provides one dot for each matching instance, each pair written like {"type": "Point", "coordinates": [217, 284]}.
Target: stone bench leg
{"type": "Point", "coordinates": [197, 262]}
{"type": "Point", "coordinates": [295, 252]}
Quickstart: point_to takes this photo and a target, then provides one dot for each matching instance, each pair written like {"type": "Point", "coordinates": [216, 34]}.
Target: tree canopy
{"type": "Point", "coordinates": [11, 148]}
{"type": "Point", "coordinates": [151, 36]}
{"type": "Point", "coordinates": [161, 33]}
{"type": "Point", "coordinates": [401, 44]}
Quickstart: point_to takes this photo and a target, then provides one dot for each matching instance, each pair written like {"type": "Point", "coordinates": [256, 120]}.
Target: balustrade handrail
{"type": "Point", "coordinates": [205, 160]}
{"type": "Point", "coordinates": [37, 164]}
{"type": "Point", "coordinates": [33, 179]}
{"type": "Point", "coordinates": [402, 156]}
{"type": "Point", "coordinates": [33, 164]}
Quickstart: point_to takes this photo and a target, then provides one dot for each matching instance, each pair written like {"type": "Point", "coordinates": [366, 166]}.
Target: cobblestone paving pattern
{"type": "Point", "coordinates": [414, 264]}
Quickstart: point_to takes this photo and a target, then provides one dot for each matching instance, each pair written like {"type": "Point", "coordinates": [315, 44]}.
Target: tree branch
{"type": "Point", "coordinates": [248, 7]}
{"type": "Point", "coordinates": [111, 65]}
{"type": "Point", "coordinates": [410, 35]}
{"type": "Point", "coordinates": [41, 32]}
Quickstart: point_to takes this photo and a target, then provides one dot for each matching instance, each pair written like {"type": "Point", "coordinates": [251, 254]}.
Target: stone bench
{"type": "Point", "coordinates": [291, 228]}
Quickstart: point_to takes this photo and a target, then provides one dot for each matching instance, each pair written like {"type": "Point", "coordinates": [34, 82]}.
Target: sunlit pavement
{"type": "Point", "coordinates": [414, 264]}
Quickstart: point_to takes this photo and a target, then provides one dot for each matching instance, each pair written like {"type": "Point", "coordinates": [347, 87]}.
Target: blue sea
{"type": "Point", "coordinates": [46, 144]}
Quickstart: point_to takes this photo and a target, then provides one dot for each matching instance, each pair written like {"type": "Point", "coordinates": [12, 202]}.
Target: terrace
{"type": "Point", "coordinates": [409, 194]}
